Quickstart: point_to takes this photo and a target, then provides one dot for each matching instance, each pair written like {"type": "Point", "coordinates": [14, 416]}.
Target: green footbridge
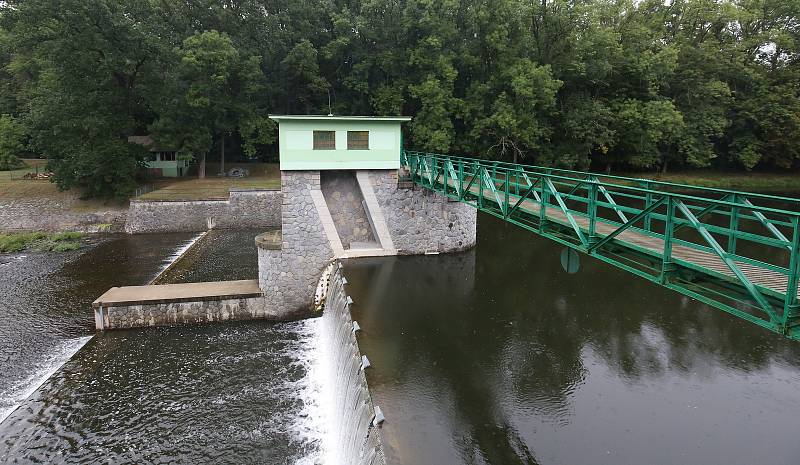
{"type": "Point", "coordinates": [735, 251]}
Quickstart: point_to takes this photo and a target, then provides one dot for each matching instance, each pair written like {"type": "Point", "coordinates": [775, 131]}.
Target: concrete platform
{"type": "Point", "coordinates": [172, 293]}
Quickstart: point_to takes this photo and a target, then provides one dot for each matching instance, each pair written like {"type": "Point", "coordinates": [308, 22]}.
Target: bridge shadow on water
{"type": "Point", "coordinates": [497, 355]}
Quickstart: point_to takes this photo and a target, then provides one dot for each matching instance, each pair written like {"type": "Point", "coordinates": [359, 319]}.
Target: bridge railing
{"type": "Point", "coordinates": [734, 250]}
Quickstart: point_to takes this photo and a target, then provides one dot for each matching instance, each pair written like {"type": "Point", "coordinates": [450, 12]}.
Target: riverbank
{"type": "Point", "coordinates": [38, 205]}
{"type": "Point", "coordinates": [41, 242]}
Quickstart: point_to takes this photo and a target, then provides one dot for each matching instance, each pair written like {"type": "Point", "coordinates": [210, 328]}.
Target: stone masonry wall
{"type": "Point", "coordinates": [344, 200]}
{"type": "Point", "coordinates": [418, 220]}
{"type": "Point", "coordinates": [421, 221]}
{"type": "Point", "coordinates": [288, 277]}
{"type": "Point", "coordinates": [138, 316]}
{"type": "Point", "coordinates": [245, 209]}
{"type": "Point", "coordinates": [63, 212]}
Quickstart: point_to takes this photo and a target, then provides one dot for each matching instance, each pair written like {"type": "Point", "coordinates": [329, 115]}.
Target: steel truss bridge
{"type": "Point", "coordinates": [735, 251]}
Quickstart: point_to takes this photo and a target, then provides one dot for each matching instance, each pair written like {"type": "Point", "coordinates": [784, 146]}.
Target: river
{"type": "Point", "coordinates": [189, 394]}
{"type": "Point", "coordinates": [497, 355]}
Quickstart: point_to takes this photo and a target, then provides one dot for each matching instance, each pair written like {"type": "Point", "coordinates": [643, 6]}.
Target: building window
{"type": "Point", "coordinates": [167, 156]}
{"type": "Point", "coordinates": [324, 140]}
{"type": "Point", "coordinates": [357, 140]}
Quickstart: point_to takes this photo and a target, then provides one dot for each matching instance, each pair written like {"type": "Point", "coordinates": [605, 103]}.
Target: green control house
{"type": "Point", "coordinates": [163, 161]}
{"type": "Point", "coordinates": [339, 142]}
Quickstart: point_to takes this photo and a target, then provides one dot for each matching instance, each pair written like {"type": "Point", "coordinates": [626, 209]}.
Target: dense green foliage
{"type": "Point", "coordinates": [601, 84]}
{"type": "Point", "coordinates": [12, 142]}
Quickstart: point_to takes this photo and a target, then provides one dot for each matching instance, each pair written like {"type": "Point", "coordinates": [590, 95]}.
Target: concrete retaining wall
{"type": "Point", "coordinates": [164, 314]}
{"type": "Point", "coordinates": [61, 212]}
{"type": "Point", "coordinates": [422, 221]}
{"type": "Point", "coordinates": [245, 209]}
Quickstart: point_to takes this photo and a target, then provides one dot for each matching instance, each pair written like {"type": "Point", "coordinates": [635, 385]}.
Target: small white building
{"type": "Point", "coordinates": [163, 161]}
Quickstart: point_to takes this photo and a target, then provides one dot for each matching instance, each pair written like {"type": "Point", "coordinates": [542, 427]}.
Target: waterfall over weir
{"type": "Point", "coordinates": [352, 438]}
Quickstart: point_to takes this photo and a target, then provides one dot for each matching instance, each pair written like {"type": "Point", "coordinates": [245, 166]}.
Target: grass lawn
{"type": "Point", "coordinates": [12, 186]}
{"type": "Point", "coordinates": [263, 176]}
{"type": "Point", "coordinates": [757, 182]}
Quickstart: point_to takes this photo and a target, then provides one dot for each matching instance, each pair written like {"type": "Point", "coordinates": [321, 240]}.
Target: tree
{"type": "Point", "coordinates": [304, 83]}
{"type": "Point", "coordinates": [588, 84]}
{"type": "Point", "coordinates": [83, 80]}
{"type": "Point", "coordinates": [12, 136]}
{"type": "Point", "coordinates": [213, 94]}
{"type": "Point", "coordinates": [518, 102]}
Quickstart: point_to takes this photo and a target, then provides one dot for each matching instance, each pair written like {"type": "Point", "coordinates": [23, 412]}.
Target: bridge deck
{"type": "Point", "coordinates": [766, 279]}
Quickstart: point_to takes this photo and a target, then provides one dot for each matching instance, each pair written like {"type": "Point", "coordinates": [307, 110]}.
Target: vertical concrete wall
{"type": "Point", "coordinates": [244, 209]}
{"type": "Point", "coordinates": [174, 313]}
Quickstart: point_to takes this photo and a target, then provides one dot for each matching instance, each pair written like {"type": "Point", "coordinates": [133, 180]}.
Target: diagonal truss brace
{"type": "Point", "coordinates": [757, 296]}
{"type": "Point", "coordinates": [627, 225]}
{"type": "Point", "coordinates": [566, 211]}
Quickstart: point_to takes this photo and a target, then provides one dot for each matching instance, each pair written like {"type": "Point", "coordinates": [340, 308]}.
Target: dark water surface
{"type": "Point", "coordinates": [499, 356]}
{"type": "Point", "coordinates": [227, 393]}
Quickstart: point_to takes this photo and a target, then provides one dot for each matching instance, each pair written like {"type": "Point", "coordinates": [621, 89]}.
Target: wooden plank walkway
{"type": "Point", "coordinates": [766, 280]}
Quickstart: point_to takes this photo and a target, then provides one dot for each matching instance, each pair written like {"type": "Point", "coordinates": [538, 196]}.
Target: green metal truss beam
{"type": "Point", "coordinates": [590, 213]}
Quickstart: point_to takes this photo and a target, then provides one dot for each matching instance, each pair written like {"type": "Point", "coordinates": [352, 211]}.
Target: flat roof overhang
{"type": "Point", "coordinates": [338, 118]}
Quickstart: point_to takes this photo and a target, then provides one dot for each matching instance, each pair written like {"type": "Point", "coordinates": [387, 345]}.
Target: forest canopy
{"type": "Point", "coordinates": [602, 84]}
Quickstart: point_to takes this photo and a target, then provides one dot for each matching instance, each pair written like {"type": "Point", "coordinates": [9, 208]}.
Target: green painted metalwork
{"type": "Point", "coordinates": [730, 250]}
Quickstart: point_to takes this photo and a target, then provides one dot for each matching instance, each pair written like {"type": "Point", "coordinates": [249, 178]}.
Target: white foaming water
{"type": "Point", "coordinates": [172, 259]}
{"type": "Point", "coordinates": [25, 388]}
{"type": "Point", "coordinates": [346, 410]}
{"type": "Point", "coordinates": [311, 424]}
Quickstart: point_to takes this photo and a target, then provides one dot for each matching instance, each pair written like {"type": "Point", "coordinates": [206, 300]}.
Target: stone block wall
{"type": "Point", "coordinates": [345, 203]}
{"type": "Point", "coordinates": [164, 314]}
{"type": "Point", "coordinates": [419, 221]}
{"type": "Point", "coordinates": [244, 209]}
{"type": "Point", "coordinates": [422, 221]}
{"type": "Point", "coordinates": [60, 212]}
{"type": "Point", "coordinates": [288, 276]}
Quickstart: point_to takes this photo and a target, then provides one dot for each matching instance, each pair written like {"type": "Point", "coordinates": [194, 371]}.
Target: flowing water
{"type": "Point", "coordinates": [45, 314]}
{"type": "Point", "coordinates": [351, 437]}
{"type": "Point", "coordinates": [499, 356]}
{"type": "Point", "coordinates": [228, 393]}
{"type": "Point", "coordinates": [496, 355]}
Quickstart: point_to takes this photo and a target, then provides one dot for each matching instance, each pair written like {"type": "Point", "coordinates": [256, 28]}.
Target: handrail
{"type": "Point", "coordinates": [682, 196]}
{"type": "Point", "coordinates": [621, 178]}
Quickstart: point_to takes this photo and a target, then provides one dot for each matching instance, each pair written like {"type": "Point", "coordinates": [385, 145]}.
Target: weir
{"type": "Point", "coordinates": [356, 436]}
